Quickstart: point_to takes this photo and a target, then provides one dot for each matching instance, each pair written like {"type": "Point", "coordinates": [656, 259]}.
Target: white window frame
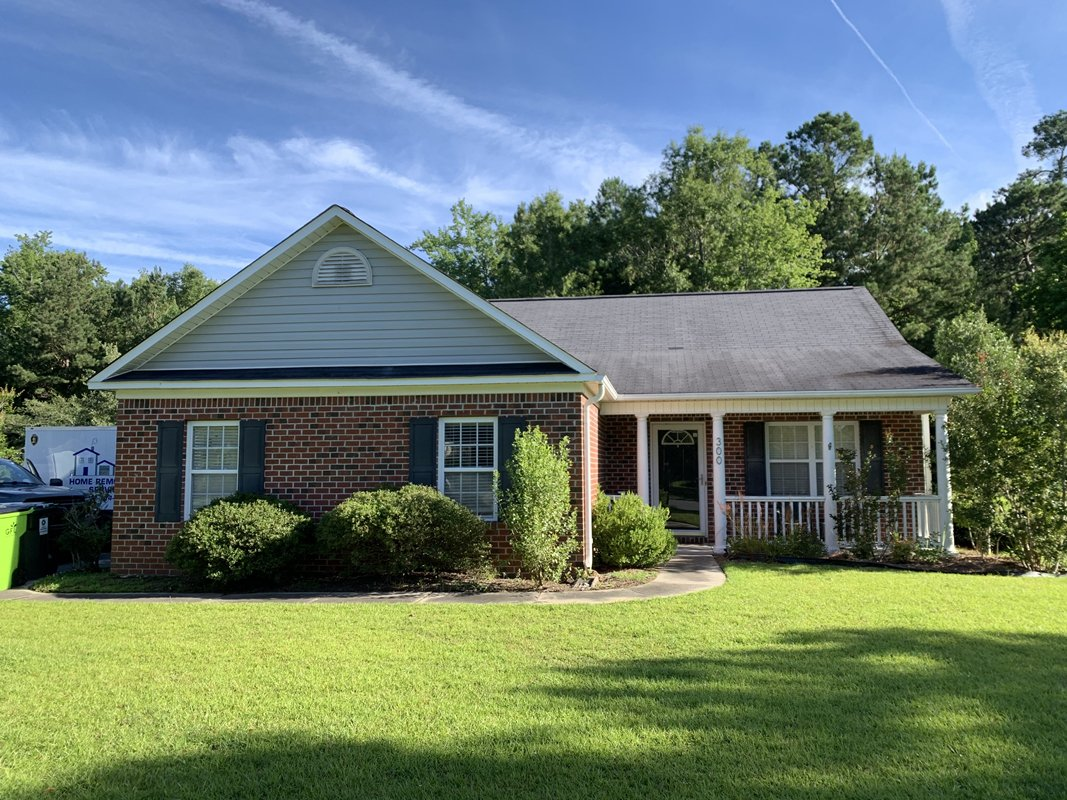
{"type": "Point", "coordinates": [441, 423]}
{"type": "Point", "coordinates": [189, 458]}
{"type": "Point", "coordinates": [814, 452]}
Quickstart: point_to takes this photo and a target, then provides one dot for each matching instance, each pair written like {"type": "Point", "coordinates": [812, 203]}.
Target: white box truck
{"type": "Point", "coordinates": [80, 457]}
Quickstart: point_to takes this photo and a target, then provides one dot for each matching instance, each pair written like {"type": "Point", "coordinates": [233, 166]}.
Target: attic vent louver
{"type": "Point", "coordinates": [342, 266]}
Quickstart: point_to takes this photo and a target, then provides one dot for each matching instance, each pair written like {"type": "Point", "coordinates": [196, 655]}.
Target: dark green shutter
{"type": "Point", "coordinates": [252, 447]}
{"type": "Point", "coordinates": [506, 428]}
{"type": "Point", "coordinates": [755, 460]}
{"type": "Point", "coordinates": [871, 444]}
{"type": "Point", "coordinates": [169, 434]}
{"type": "Point", "coordinates": [422, 459]}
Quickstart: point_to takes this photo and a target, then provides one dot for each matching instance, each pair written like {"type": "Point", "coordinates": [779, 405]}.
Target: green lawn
{"type": "Point", "coordinates": [787, 682]}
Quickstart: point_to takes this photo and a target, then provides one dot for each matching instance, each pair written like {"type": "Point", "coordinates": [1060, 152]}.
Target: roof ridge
{"type": "Point", "coordinates": [732, 292]}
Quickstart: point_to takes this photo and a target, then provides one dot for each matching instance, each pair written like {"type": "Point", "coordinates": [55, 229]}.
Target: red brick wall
{"type": "Point", "coordinates": [618, 448]}
{"type": "Point", "coordinates": [318, 451]}
{"type": "Point", "coordinates": [618, 454]}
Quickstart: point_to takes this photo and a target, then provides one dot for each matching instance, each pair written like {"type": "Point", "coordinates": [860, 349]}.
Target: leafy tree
{"type": "Point", "coordinates": [624, 240]}
{"type": "Point", "coordinates": [1017, 237]}
{"type": "Point", "coordinates": [150, 301]}
{"type": "Point", "coordinates": [985, 430]}
{"type": "Point", "coordinates": [825, 162]}
{"type": "Point", "coordinates": [726, 222]}
{"type": "Point", "coordinates": [51, 302]}
{"type": "Point", "coordinates": [470, 250]}
{"type": "Point", "coordinates": [7, 403]}
{"type": "Point", "coordinates": [1009, 443]}
{"type": "Point", "coordinates": [1050, 144]}
{"type": "Point", "coordinates": [543, 245]}
{"type": "Point", "coordinates": [1047, 294]}
{"type": "Point", "coordinates": [1020, 235]}
{"type": "Point", "coordinates": [537, 508]}
{"type": "Point", "coordinates": [915, 255]}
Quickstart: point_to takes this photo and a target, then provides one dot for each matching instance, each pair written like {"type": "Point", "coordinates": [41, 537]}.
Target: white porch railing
{"type": "Point", "coordinates": [917, 518]}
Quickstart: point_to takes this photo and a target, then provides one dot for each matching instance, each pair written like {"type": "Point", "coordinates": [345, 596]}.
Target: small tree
{"type": "Point", "coordinates": [86, 531]}
{"type": "Point", "coordinates": [857, 509]}
{"type": "Point", "coordinates": [537, 508]}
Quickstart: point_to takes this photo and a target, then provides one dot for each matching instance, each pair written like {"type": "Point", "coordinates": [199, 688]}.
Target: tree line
{"type": "Point", "coordinates": [62, 321]}
{"type": "Point", "coordinates": [821, 208]}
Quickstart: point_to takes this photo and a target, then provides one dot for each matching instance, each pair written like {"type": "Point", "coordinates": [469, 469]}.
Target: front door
{"type": "Point", "coordinates": [678, 482]}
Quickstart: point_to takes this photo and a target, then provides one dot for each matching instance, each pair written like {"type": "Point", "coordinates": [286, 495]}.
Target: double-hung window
{"type": "Point", "coordinates": [795, 456]}
{"type": "Point", "coordinates": [467, 460]}
{"type": "Point", "coordinates": [212, 460]}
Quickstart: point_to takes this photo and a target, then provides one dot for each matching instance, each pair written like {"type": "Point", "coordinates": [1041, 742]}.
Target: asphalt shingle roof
{"type": "Point", "coordinates": [798, 340]}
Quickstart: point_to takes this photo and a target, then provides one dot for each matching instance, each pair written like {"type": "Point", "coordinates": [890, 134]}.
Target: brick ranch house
{"type": "Point", "coordinates": [339, 361]}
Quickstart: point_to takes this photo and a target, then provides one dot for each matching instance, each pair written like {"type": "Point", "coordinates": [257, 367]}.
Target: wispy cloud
{"type": "Point", "coordinates": [1003, 79]}
{"type": "Point", "coordinates": [885, 67]}
{"type": "Point", "coordinates": [579, 159]}
{"type": "Point", "coordinates": [218, 209]}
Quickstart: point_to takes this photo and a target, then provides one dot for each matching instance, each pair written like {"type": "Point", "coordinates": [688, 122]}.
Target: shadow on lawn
{"type": "Point", "coordinates": [849, 713]}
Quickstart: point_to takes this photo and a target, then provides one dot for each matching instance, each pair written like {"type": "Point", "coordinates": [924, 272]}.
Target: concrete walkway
{"type": "Point", "coordinates": [692, 569]}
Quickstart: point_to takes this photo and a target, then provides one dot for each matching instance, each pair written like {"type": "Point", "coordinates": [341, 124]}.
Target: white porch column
{"type": "Point", "coordinates": [928, 480]}
{"type": "Point", "coordinates": [642, 458]}
{"type": "Point", "coordinates": [944, 480]}
{"type": "Point", "coordinates": [829, 479]}
{"type": "Point", "coordinates": [718, 483]}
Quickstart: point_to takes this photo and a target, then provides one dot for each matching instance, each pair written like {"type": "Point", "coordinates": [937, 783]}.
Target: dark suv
{"type": "Point", "coordinates": [18, 485]}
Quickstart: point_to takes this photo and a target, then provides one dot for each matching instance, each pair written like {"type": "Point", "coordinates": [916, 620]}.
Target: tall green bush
{"type": "Point", "coordinates": [629, 533]}
{"type": "Point", "coordinates": [240, 540]}
{"type": "Point", "coordinates": [537, 508]}
{"type": "Point", "coordinates": [1009, 443]}
{"type": "Point", "coordinates": [408, 531]}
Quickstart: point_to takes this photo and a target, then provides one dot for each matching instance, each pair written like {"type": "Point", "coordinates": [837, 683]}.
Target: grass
{"type": "Point", "coordinates": [790, 681]}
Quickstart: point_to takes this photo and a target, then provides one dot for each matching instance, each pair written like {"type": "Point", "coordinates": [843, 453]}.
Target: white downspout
{"type": "Point", "coordinates": [587, 478]}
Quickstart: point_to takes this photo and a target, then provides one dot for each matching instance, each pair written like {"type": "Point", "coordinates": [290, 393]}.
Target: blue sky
{"type": "Point", "coordinates": [155, 133]}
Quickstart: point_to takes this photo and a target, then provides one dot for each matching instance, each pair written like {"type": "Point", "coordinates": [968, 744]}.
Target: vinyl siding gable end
{"type": "Point", "coordinates": [402, 318]}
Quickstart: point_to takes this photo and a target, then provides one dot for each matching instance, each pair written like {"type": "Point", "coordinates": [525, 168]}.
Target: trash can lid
{"type": "Point", "coordinates": [12, 508]}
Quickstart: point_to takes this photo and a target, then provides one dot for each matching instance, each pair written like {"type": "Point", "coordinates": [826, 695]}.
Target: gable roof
{"type": "Point", "coordinates": [130, 368]}
{"type": "Point", "coordinates": [799, 341]}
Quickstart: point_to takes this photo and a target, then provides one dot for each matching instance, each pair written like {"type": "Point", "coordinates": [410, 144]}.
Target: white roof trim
{"type": "Point", "coordinates": [315, 229]}
{"type": "Point", "coordinates": [946, 392]}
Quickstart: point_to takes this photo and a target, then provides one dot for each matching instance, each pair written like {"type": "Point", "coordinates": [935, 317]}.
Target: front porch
{"type": "Point", "coordinates": [746, 472]}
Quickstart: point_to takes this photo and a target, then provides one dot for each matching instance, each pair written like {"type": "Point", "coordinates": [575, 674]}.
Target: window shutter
{"type": "Point", "coordinates": [169, 435]}
{"type": "Point", "coordinates": [506, 428]}
{"type": "Point", "coordinates": [422, 459]}
{"type": "Point", "coordinates": [250, 455]}
{"type": "Point", "coordinates": [871, 442]}
{"type": "Point", "coordinates": [755, 460]}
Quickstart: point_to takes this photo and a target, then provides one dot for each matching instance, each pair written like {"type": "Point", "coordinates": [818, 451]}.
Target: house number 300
{"type": "Point", "coordinates": [718, 449]}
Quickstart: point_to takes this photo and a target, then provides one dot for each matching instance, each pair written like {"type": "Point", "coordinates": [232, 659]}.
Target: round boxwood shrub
{"type": "Point", "coordinates": [409, 531]}
{"type": "Point", "coordinates": [240, 540]}
{"type": "Point", "coordinates": [628, 533]}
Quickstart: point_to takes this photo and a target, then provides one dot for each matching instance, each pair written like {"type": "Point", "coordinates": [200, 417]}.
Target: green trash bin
{"type": "Point", "coordinates": [14, 519]}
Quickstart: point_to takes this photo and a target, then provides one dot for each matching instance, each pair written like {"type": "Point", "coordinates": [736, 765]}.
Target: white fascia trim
{"type": "Point", "coordinates": [431, 384]}
{"type": "Point", "coordinates": [232, 287]}
{"type": "Point", "coordinates": [235, 286]}
{"type": "Point", "coordinates": [644, 398]}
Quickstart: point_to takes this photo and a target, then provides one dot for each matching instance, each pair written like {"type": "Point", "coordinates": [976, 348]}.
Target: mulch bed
{"type": "Point", "coordinates": [966, 563]}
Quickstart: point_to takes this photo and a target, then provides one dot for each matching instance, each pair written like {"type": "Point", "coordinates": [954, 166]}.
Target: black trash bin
{"type": "Point", "coordinates": [39, 553]}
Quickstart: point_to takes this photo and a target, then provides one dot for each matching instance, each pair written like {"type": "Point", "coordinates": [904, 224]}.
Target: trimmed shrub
{"type": "Point", "coordinates": [629, 533]}
{"type": "Point", "coordinates": [240, 540]}
{"type": "Point", "coordinates": [409, 531]}
{"type": "Point", "coordinates": [537, 508]}
{"type": "Point", "coordinates": [799, 543]}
